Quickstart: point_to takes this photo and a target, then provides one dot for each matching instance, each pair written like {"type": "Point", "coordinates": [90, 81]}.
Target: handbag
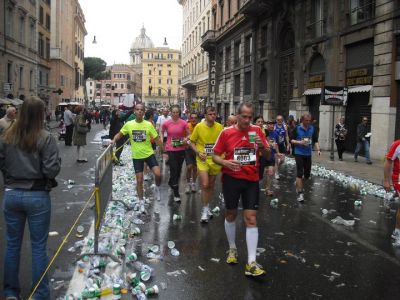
{"type": "Point", "coordinates": [82, 128]}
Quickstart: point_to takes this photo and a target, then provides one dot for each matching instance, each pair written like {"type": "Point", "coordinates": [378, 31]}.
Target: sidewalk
{"type": "Point", "coordinates": [372, 173]}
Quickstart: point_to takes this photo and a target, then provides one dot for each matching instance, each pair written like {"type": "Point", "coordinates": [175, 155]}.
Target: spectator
{"type": "Point", "coordinates": [8, 119]}
{"type": "Point", "coordinates": [340, 137]}
{"type": "Point", "coordinates": [69, 125]}
{"type": "Point", "coordinates": [80, 131]}
{"type": "Point", "coordinates": [362, 140]}
{"type": "Point", "coordinates": [29, 160]}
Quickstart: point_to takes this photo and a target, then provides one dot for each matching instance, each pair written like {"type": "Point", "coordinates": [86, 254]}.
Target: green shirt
{"type": "Point", "coordinates": [139, 136]}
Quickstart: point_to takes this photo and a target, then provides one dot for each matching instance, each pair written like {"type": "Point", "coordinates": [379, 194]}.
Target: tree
{"type": "Point", "coordinates": [95, 68]}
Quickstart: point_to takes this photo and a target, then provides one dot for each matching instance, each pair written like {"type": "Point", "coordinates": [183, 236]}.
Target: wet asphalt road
{"type": "Point", "coordinates": [302, 247]}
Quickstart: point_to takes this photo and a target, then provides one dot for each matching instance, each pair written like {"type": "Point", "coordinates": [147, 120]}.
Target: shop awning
{"type": "Point", "coordinates": [315, 91]}
{"type": "Point", "coordinates": [360, 89]}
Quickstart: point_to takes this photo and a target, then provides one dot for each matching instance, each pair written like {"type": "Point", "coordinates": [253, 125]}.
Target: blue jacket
{"type": "Point", "coordinates": [300, 134]}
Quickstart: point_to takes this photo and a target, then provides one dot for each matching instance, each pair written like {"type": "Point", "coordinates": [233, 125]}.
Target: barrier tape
{"type": "Point", "coordinates": [61, 245]}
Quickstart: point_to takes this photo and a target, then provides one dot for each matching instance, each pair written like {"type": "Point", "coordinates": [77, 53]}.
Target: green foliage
{"type": "Point", "coordinates": [95, 68]}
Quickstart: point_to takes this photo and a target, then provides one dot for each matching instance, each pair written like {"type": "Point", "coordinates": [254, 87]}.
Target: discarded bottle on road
{"type": "Point", "coordinates": [274, 203]}
{"type": "Point", "coordinates": [152, 291]}
{"type": "Point", "coordinates": [357, 203]}
{"type": "Point", "coordinates": [216, 210]}
{"type": "Point", "coordinates": [339, 220]}
{"type": "Point", "coordinates": [176, 217]}
{"type": "Point", "coordinates": [175, 252]}
{"type": "Point", "coordinates": [171, 244]}
{"type": "Point", "coordinates": [133, 279]}
{"type": "Point", "coordinates": [142, 267]}
{"type": "Point", "coordinates": [116, 291]}
{"type": "Point", "coordinates": [131, 257]}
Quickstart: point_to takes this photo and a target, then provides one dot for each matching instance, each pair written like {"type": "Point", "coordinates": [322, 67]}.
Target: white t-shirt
{"type": "Point", "coordinates": [161, 119]}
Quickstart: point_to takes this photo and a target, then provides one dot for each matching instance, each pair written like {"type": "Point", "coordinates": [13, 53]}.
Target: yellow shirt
{"type": "Point", "coordinates": [205, 137]}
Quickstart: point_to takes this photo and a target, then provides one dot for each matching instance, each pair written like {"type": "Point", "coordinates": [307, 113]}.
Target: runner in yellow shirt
{"type": "Point", "coordinates": [203, 138]}
{"type": "Point", "coordinates": [140, 134]}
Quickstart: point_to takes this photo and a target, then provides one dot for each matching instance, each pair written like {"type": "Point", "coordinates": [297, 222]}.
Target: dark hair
{"type": "Point", "coordinates": [247, 104]}
{"type": "Point", "coordinates": [114, 114]}
{"type": "Point", "coordinates": [176, 106]}
{"type": "Point", "coordinates": [148, 114]}
{"type": "Point", "coordinates": [209, 108]}
{"type": "Point", "coordinates": [28, 128]}
{"type": "Point", "coordinates": [258, 117]}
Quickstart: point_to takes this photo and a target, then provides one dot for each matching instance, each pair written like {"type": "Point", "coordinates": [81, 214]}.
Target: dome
{"type": "Point", "coordinates": [142, 41]}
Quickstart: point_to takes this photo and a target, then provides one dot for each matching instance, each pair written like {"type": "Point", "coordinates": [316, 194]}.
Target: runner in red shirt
{"type": "Point", "coordinates": [240, 145]}
{"type": "Point", "coordinates": [392, 165]}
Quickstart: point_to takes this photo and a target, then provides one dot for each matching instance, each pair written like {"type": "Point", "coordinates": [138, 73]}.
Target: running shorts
{"type": "Point", "coordinates": [138, 164]}
{"type": "Point", "coordinates": [303, 166]}
{"type": "Point", "coordinates": [190, 156]}
{"type": "Point", "coordinates": [233, 189]}
{"type": "Point", "coordinates": [209, 166]}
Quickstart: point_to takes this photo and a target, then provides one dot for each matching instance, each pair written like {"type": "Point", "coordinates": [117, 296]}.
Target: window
{"type": "Point", "coordinates": [169, 73]}
{"type": "Point", "coordinates": [221, 14]}
{"type": "Point", "coordinates": [159, 80]}
{"type": "Point", "coordinates": [9, 22]}
{"type": "Point", "coordinates": [247, 83]}
{"type": "Point", "coordinates": [22, 29]}
{"type": "Point", "coordinates": [228, 85]}
{"type": "Point", "coordinates": [317, 17]}
{"type": "Point", "coordinates": [98, 85]}
{"type": "Point", "coordinates": [149, 72]}
{"type": "Point", "coordinates": [263, 82]}
{"type": "Point", "coordinates": [159, 92]}
{"type": "Point", "coordinates": [31, 80]}
{"type": "Point", "coordinates": [32, 35]}
{"type": "Point", "coordinates": [263, 41]}
{"type": "Point", "coordinates": [149, 80]}
{"type": "Point", "coordinates": [41, 15]}
{"type": "Point", "coordinates": [122, 86]}
{"type": "Point", "coordinates": [47, 21]}
{"type": "Point", "coordinates": [150, 91]}
{"type": "Point", "coordinates": [41, 45]}
{"type": "Point", "coordinates": [40, 78]}
{"type": "Point", "coordinates": [237, 85]}
{"type": "Point", "coordinates": [21, 77]}
{"type": "Point", "coordinates": [228, 59]}
{"type": "Point", "coordinates": [237, 54]}
{"type": "Point", "coordinates": [169, 92]}
{"type": "Point", "coordinates": [62, 80]}
{"type": "Point", "coordinates": [229, 8]}
{"type": "Point", "coordinates": [248, 49]}
{"type": "Point", "coordinates": [47, 49]}
{"type": "Point", "coordinates": [47, 78]}
{"type": "Point", "coordinates": [159, 72]}
{"type": "Point", "coordinates": [361, 10]}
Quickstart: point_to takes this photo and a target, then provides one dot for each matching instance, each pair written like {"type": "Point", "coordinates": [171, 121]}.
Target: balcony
{"type": "Point", "coordinates": [208, 40]}
{"type": "Point", "coordinates": [188, 81]}
{"type": "Point", "coordinates": [257, 7]}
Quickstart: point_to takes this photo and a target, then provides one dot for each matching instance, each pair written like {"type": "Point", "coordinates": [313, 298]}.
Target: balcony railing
{"type": "Point", "coordinates": [256, 7]}
{"type": "Point", "coordinates": [188, 80]}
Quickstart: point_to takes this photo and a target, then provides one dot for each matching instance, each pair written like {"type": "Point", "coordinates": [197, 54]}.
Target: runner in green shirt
{"type": "Point", "coordinates": [140, 132]}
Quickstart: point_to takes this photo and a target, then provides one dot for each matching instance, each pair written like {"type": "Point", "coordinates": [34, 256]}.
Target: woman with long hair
{"type": "Point", "coordinates": [79, 136]}
{"type": "Point", "coordinates": [29, 161]}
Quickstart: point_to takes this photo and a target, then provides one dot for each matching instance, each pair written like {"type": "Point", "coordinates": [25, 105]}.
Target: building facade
{"type": "Point", "coordinates": [79, 37]}
{"type": "Point", "coordinates": [18, 63]}
{"type": "Point", "coordinates": [63, 60]}
{"type": "Point", "coordinates": [196, 21]}
{"type": "Point", "coordinates": [43, 52]}
{"type": "Point", "coordinates": [161, 81]}
{"type": "Point", "coordinates": [124, 80]}
{"type": "Point", "coordinates": [279, 54]}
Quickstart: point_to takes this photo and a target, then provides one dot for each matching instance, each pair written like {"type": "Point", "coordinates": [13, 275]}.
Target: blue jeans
{"type": "Point", "coordinates": [360, 144]}
{"type": "Point", "coordinates": [19, 206]}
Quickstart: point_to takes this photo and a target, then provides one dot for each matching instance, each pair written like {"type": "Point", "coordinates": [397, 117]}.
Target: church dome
{"type": "Point", "coordinates": [142, 41]}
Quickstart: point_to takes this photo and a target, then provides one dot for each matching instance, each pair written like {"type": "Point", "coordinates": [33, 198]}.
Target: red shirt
{"type": "Point", "coordinates": [235, 144]}
{"type": "Point", "coordinates": [394, 155]}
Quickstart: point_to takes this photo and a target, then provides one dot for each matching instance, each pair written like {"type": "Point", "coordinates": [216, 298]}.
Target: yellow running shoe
{"type": "Point", "coordinates": [232, 256]}
{"type": "Point", "coordinates": [254, 269]}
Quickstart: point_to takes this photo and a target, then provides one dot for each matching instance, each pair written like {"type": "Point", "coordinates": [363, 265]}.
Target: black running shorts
{"type": "Point", "coordinates": [138, 164]}
{"type": "Point", "coordinates": [233, 189]}
{"type": "Point", "coordinates": [190, 156]}
{"type": "Point", "coordinates": [303, 165]}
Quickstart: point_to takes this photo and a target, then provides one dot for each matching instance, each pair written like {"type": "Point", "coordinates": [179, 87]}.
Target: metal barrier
{"type": "Point", "coordinates": [103, 195]}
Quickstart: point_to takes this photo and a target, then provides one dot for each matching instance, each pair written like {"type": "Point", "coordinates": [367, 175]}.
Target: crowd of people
{"type": "Point", "coordinates": [243, 151]}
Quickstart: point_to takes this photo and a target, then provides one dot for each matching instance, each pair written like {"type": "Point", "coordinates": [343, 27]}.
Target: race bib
{"type": "Point", "coordinates": [139, 135]}
{"type": "Point", "coordinates": [208, 149]}
{"type": "Point", "coordinates": [246, 155]}
{"type": "Point", "coordinates": [176, 142]}
{"type": "Point", "coordinates": [281, 139]}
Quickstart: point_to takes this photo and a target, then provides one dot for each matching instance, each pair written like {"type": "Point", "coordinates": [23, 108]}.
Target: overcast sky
{"type": "Point", "coordinates": [116, 23]}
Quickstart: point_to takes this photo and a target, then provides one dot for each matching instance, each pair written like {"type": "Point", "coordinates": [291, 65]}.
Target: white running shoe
{"type": "Point", "coordinates": [141, 207]}
{"type": "Point", "coordinates": [300, 197]}
{"type": "Point", "coordinates": [396, 242]}
{"type": "Point", "coordinates": [157, 193]}
{"type": "Point", "coordinates": [277, 176]}
{"type": "Point", "coordinates": [177, 199]}
{"type": "Point", "coordinates": [187, 189]}
{"type": "Point", "coordinates": [209, 213]}
{"type": "Point", "coordinates": [396, 234]}
{"type": "Point", "coordinates": [193, 187]}
{"type": "Point", "coordinates": [204, 215]}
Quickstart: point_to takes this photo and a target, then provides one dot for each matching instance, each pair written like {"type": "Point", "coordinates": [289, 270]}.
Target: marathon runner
{"type": "Point", "coordinates": [177, 132]}
{"type": "Point", "coordinates": [304, 136]}
{"type": "Point", "coordinates": [283, 143]}
{"type": "Point", "coordinates": [190, 158]}
{"type": "Point", "coordinates": [392, 167]}
{"type": "Point", "coordinates": [240, 144]}
{"type": "Point", "coordinates": [273, 139]}
{"type": "Point", "coordinates": [202, 142]}
{"type": "Point", "coordinates": [140, 133]}
{"type": "Point", "coordinates": [161, 119]}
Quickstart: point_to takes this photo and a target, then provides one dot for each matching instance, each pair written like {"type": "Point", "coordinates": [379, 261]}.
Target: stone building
{"type": "Point", "coordinates": [279, 54]}
{"type": "Point", "coordinates": [19, 48]}
{"type": "Point", "coordinates": [161, 81]}
{"type": "Point", "coordinates": [196, 21]}
{"type": "Point", "coordinates": [79, 38]}
{"type": "Point", "coordinates": [124, 80]}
